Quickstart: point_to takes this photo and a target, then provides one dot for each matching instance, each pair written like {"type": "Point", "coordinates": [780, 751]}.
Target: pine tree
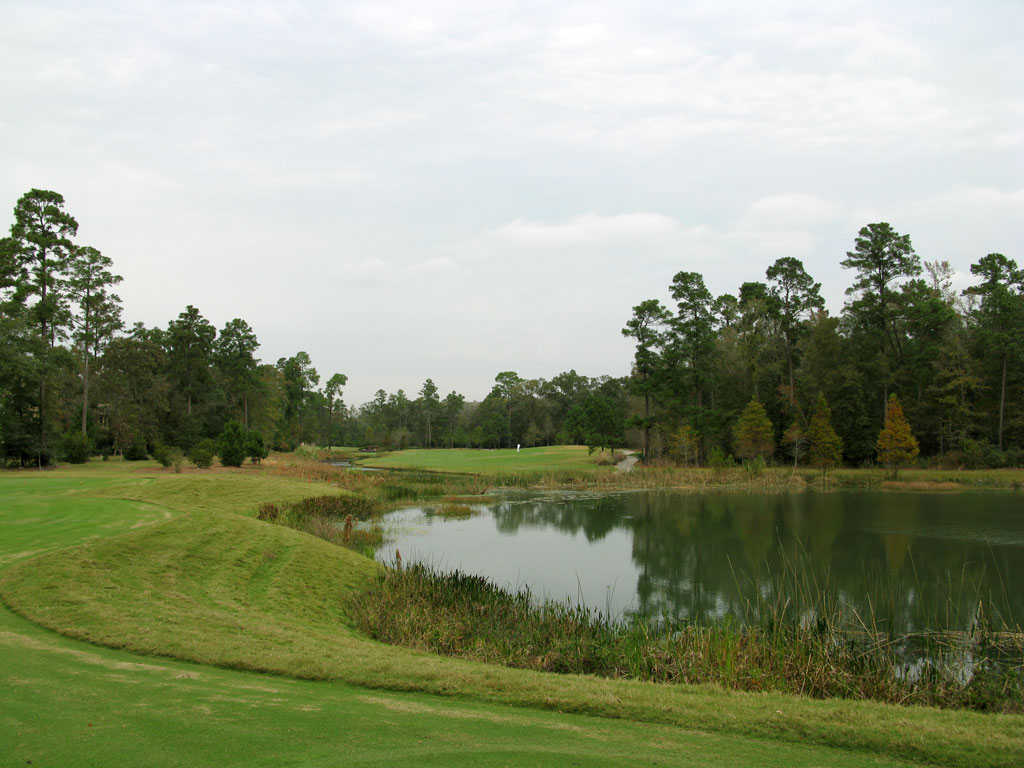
{"type": "Point", "coordinates": [896, 443]}
{"type": "Point", "coordinates": [826, 447]}
{"type": "Point", "coordinates": [753, 432]}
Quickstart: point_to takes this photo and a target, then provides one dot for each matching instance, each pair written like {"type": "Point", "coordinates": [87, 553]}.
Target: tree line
{"type": "Point", "coordinates": [955, 360]}
{"type": "Point", "coordinates": [74, 379]}
{"type": "Point", "coordinates": [766, 372]}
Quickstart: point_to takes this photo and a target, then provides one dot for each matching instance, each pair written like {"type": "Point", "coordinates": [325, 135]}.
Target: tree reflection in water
{"type": "Point", "coordinates": [912, 561]}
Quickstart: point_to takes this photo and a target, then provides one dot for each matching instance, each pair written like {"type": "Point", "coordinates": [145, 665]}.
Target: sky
{"type": "Point", "coordinates": [451, 189]}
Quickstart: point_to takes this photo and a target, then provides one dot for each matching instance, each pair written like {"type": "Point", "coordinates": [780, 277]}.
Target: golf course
{"type": "Point", "coordinates": [149, 618]}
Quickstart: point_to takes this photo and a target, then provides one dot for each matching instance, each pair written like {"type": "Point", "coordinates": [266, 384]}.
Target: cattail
{"type": "Point", "coordinates": [398, 559]}
{"type": "Point", "coordinates": [347, 532]}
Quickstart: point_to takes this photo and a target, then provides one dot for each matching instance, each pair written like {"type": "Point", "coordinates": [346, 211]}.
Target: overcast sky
{"type": "Point", "coordinates": [452, 189]}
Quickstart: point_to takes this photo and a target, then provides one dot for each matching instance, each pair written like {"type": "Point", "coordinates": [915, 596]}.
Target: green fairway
{"type": "Point", "coordinates": [557, 457]}
{"type": "Point", "coordinates": [164, 567]}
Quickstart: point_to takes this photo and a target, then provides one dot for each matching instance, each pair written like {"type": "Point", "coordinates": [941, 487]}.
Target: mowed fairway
{"type": "Point", "coordinates": [163, 565]}
{"type": "Point", "coordinates": [557, 457]}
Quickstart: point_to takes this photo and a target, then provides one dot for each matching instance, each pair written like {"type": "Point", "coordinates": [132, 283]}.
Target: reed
{"type": "Point", "coordinates": [796, 637]}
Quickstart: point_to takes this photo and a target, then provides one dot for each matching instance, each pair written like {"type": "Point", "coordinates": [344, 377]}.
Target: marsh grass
{"type": "Point", "coordinates": [796, 637]}
{"type": "Point", "coordinates": [452, 511]}
{"type": "Point", "coordinates": [332, 518]}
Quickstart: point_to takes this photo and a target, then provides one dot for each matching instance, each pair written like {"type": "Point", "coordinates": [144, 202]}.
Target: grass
{"type": "Point", "coordinates": [573, 465]}
{"type": "Point", "coordinates": [507, 460]}
{"type": "Point", "coordinates": [203, 580]}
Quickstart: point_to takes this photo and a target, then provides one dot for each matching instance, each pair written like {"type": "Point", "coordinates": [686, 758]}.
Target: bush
{"type": "Point", "coordinates": [162, 453]}
{"type": "Point", "coordinates": [307, 451]}
{"type": "Point", "coordinates": [232, 444]}
{"type": "Point", "coordinates": [136, 451]}
{"type": "Point", "coordinates": [169, 456]}
{"type": "Point", "coordinates": [755, 466]}
{"type": "Point", "coordinates": [77, 448]}
{"type": "Point", "coordinates": [255, 448]}
{"type": "Point", "coordinates": [719, 459]}
{"type": "Point", "coordinates": [202, 453]}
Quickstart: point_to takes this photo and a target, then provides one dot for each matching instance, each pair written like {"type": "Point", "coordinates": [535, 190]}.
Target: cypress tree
{"type": "Point", "coordinates": [826, 447]}
{"type": "Point", "coordinates": [753, 432]}
{"type": "Point", "coordinates": [896, 443]}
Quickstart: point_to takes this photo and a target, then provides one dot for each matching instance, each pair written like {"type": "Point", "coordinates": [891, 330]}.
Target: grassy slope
{"type": "Point", "coordinates": [221, 588]}
{"type": "Point", "coordinates": [557, 457]}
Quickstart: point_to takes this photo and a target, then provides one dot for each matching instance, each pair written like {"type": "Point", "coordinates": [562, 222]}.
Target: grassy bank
{"type": "Point", "coordinates": [558, 466]}
{"type": "Point", "coordinates": [68, 703]}
{"type": "Point", "coordinates": [204, 580]}
{"type": "Point", "coordinates": [507, 460]}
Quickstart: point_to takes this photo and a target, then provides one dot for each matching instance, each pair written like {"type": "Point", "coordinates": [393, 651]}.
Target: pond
{"type": "Point", "coordinates": [906, 562]}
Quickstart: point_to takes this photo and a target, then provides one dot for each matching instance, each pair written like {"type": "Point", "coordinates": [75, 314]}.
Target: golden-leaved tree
{"type": "Point", "coordinates": [896, 444]}
{"type": "Point", "coordinates": [825, 446]}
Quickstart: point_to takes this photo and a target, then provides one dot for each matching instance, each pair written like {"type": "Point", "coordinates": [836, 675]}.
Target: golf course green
{"type": "Point", "coordinates": [149, 618]}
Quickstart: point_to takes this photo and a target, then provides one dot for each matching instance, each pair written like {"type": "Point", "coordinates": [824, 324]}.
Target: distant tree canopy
{"type": "Point", "coordinates": [755, 373]}
{"type": "Point", "coordinates": [956, 362]}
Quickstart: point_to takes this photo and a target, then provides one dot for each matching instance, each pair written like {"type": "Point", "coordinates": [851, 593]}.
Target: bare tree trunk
{"type": "Point", "coordinates": [792, 387]}
{"type": "Point", "coordinates": [1002, 403]}
{"type": "Point", "coordinates": [85, 392]}
{"type": "Point", "coordinates": [647, 424]}
{"type": "Point", "coordinates": [42, 421]}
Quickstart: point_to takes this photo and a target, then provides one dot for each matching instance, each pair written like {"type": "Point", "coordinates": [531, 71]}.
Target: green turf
{"type": "Point", "coordinates": [558, 457]}
{"type": "Point", "coordinates": [223, 588]}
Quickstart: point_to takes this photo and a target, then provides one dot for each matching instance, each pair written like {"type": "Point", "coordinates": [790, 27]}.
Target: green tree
{"type": "Point", "coordinates": [331, 390]}
{"type": "Point", "coordinates": [797, 296]}
{"type": "Point", "coordinates": [508, 385]}
{"type": "Point", "coordinates": [300, 377]}
{"type": "Point", "coordinates": [454, 404]}
{"type": "Point", "coordinates": [999, 320]}
{"type": "Point", "coordinates": [189, 353]}
{"type": "Point", "coordinates": [824, 445]}
{"type": "Point", "coordinates": [133, 387]}
{"type": "Point", "coordinates": [97, 313]}
{"type": "Point", "coordinates": [753, 435]}
{"type": "Point", "coordinates": [234, 355]}
{"type": "Point", "coordinates": [646, 326]}
{"type": "Point", "coordinates": [896, 444]}
{"type": "Point", "coordinates": [233, 444]}
{"type": "Point", "coordinates": [604, 422]}
{"type": "Point", "coordinates": [689, 347]}
{"type": "Point", "coordinates": [881, 257]}
{"type": "Point", "coordinates": [41, 237]}
{"type": "Point", "coordinates": [429, 403]}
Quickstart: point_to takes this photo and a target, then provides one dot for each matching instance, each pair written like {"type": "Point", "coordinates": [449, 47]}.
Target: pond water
{"type": "Point", "coordinates": [912, 561]}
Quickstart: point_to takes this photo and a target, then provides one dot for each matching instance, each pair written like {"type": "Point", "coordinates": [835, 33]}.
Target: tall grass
{"type": "Point", "coordinates": [795, 638]}
{"type": "Point", "coordinates": [334, 518]}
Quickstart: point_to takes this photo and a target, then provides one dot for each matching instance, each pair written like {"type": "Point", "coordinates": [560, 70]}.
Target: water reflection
{"type": "Point", "coordinates": [912, 561]}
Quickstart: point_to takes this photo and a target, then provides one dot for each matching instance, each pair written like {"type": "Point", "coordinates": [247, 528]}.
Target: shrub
{"type": "Point", "coordinates": [719, 459]}
{"type": "Point", "coordinates": [177, 459]}
{"type": "Point", "coordinates": [162, 453]}
{"type": "Point", "coordinates": [136, 451]}
{"type": "Point", "coordinates": [307, 451]}
{"type": "Point", "coordinates": [755, 466]}
{"type": "Point", "coordinates": [202, 453]}
{"type": "Point", "coordinates": [255, 448]}
{"type": "Point", "coordinates": [77, 448]}
{"type": "Point", "coordinates": [232, 444]}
